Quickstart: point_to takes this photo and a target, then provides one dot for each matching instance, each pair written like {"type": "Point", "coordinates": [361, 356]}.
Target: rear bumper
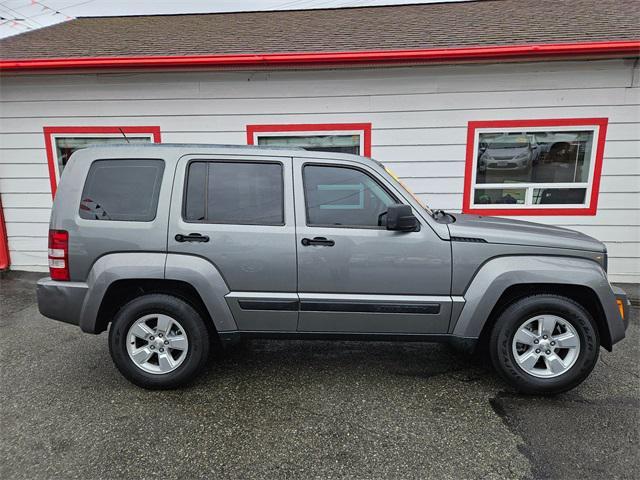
{"type": "Point", "coordinates": [61, 301]}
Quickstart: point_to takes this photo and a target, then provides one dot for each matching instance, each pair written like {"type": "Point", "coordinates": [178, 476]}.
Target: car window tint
{"type": "Point", "coordinates": [195, 196]}
{"type": "Point", "coordinates": [240, 193]}
{"type": "Point", "coordinates": [339, 196]}
{"type": "Point", "coordinates": [125, 190]}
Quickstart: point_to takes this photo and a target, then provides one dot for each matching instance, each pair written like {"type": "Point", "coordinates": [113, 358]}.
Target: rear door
{"type": "Point", "coordinates": [353, 274]}
{"type": "Point", "coordinates": [237, 212]}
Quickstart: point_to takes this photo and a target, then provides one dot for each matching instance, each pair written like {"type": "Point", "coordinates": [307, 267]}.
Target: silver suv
{"type": "Point", "coordinates": [180, 249]}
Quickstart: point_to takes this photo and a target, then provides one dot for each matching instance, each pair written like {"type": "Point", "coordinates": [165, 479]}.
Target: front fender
{"type": "Point", "coordinates": [498, 274]}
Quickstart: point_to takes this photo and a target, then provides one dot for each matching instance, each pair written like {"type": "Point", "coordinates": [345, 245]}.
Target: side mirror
{"type": "Point", "coordinates": [401, 218]}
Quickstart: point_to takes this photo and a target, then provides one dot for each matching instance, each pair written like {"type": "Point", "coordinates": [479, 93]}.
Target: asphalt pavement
{"type": "Point", "coordinates": [291, 409]}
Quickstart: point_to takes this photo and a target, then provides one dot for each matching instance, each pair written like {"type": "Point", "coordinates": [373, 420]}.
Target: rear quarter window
{"type": "Point", "coordinates": [124, 190]}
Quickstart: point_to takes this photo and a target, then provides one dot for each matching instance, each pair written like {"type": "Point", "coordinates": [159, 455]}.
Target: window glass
{"type": "Point", "coordinates": [558, 196]}
{"type": "Point", "coordinates": [240, 193]}
{"type": "Point", "coordinates": [515, 165]}
{"type": "Point", "coordinates": [505, 196]}
{"type": "Point", "coordinates": [195, 197]}
{"type": "Point", "coordinates": [319, 143]}
{"type": "Point", "coordinates": [343, 196]}
{"type": "Point", "coordinates": [65, 146]}
{"type": "Point", "coordinates": [125, 190]}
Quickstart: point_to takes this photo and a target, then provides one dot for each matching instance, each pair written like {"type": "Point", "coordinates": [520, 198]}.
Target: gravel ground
{"type": "Point", "coordinates": [289, 409]}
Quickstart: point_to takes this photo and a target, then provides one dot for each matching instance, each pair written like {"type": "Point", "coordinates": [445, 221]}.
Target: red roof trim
{"type": "Point", "coordinates": [631, 47]}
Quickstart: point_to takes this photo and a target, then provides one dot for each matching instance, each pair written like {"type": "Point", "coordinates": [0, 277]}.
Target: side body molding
{"type": "Point", "coordinates": [208, 282]}
{"type": "Point", "coordinates": [495, 276]}
{"type": "Point", "coordinates": [113, 267]}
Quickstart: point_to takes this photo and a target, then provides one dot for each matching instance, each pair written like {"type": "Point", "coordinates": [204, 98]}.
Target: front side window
{"type": "Point", "coordinates": [125, 190]}
{"type": "Point", "coordinates": [240, 193]}
{"type": "Point", "coordinates": [533, 168]}
{"type": "Point", "coordinates": [339, 196]}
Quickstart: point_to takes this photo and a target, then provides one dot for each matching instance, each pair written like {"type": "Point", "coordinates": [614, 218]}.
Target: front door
{"type": "Point", "coordinates": [353, 274]}
{"type": "Point", "coordinates": [237, 212]}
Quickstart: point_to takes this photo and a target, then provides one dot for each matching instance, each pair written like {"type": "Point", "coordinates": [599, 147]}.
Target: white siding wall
{"type": "Point", "coordinates": [419, 117]}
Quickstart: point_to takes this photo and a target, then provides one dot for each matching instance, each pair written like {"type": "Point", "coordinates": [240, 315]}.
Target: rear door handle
{"type": "Point", "coordinates": [192, 237]}
{"type": "Point", "coordinates": [318, 241]}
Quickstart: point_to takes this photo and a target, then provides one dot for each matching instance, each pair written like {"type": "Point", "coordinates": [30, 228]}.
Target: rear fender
{"type": "Point", "coordinates": [195, 271]}
{"type": "Point", "coordinates": [113, 267]}
{"type": "Point", "coordinates": [208, 282]}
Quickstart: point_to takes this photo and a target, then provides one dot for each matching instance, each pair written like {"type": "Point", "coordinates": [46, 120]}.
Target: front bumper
{"type": "Point", "coordinates": [61, 301]}
{"type": "Point", "coordinates": [621, 296]}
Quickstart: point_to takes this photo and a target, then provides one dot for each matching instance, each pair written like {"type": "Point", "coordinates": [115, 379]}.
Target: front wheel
{"type": "Point", "coordinates": [159, 341]}
{"type": "Point", "coordinates": [544, 344]}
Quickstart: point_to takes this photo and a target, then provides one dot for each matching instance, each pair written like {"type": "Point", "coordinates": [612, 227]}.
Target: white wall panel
{"type": "Point", "coordinates": [27, 229]}
{"type": "Point", "coordinates": [18, 170]}
{"type": "Point", "coordinates": [31, 200]}
{"type": "Point", "coordinates": [419, 117]}
{"type": "Point", "coordinates": [36, 244]}
{"type": "Point", "coordinates": [24, 155]}
{"type": "Point", "coordinates": [27, 214]}
{"type": "Point", "coordinates": [24, 185]}
{"type": "Point", "coordinates": [289, 84]}
{"type": "Point", "coordinates": [35, 260]}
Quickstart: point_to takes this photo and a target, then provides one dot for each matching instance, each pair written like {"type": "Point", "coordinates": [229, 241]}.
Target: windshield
{"type": "Point", "coordinates": [508, 145]}
{"type": "Point", "coordinates": [406, 189]}
{"type": "Point", "coordinates": [507, 141]}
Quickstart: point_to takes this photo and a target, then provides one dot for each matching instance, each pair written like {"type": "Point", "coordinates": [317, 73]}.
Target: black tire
{"type": "Point", "coordinates": [510, 320]}
{"type": "Point", "coordinates": [193, 325]}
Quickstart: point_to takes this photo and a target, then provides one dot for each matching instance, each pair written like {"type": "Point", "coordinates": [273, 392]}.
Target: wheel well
{"type": "Point", "coordinates": [579, 293]}
{"type": "Point", "coordinates": [121, 292]}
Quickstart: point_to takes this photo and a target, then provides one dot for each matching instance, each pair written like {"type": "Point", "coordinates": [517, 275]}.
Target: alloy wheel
{"type": "Point", "coordinates": [157, 343]}
{"type": "Point", "coordinates": [546, 346]}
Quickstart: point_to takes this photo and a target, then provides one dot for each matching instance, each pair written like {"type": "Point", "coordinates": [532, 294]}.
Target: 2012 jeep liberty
{"type": "Point", "coordinates": [179, 249]}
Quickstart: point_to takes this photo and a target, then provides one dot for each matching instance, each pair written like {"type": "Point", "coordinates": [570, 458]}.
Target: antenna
{"type": "Point", "coordinates": [122, 132]}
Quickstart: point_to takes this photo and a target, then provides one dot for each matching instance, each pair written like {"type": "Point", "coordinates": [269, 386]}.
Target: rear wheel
{"type": "Point", "coordinates": [544, 344]}
{"type": "Point", "coordinates": [159, 341]}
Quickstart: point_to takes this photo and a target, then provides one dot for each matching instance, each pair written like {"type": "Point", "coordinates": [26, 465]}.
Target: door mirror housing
{"type": "Point", "coordinates": [401, 218]}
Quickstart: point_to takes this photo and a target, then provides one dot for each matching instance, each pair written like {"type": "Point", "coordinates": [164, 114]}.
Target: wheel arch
{"type": "Point", "coordinates": [503, 280]}
{"type": "Point", "coordinates": [117, 278]}
{"type": "Point", "coordinates": [123, 291]}
{"type": "Point", "coordinates": [581, 294]}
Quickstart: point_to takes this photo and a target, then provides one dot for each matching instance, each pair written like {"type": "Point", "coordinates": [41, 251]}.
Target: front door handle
{"type": "Point", "coordinates": [318, 241]}
{"type": "Point", "coordinates": [192, 237]}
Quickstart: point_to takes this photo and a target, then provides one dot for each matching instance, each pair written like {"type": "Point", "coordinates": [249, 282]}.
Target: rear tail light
{"type": "Point", "coordinates": [59, 254]}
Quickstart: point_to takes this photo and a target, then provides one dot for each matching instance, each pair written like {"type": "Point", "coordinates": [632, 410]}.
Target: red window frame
{"type": "Point", "coordinates": [365, 128]}
{"type": "Point", "coordinates": [4, 242]}
{"type": "Point", "coordinates": [590, 209]}
{"type": "Point", "coordinates": [49, 133]}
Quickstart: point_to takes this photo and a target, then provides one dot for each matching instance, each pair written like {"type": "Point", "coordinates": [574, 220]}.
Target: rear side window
{"type": "Point", "coordinates": [240, 193]}
{"type": "Point", "coordinates": [125, 190]}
